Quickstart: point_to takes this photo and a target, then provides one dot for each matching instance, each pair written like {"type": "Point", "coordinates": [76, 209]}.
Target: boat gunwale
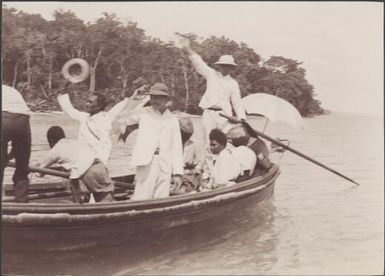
{"type": "Point", "coordinates": [127, 216]}
{"type": "Point", "coordinates": [12, 209]}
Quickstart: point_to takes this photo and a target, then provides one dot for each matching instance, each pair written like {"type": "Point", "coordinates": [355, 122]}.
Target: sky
{"type": "Point", "coordinates": [340, 43]}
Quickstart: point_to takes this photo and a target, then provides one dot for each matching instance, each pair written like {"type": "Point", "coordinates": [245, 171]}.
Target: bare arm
{"type": "Point", "coordinates": [49, 159]}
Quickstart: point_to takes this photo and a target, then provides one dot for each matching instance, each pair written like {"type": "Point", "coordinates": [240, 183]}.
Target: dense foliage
{"type": "Point", "coordinates": [34, 51]}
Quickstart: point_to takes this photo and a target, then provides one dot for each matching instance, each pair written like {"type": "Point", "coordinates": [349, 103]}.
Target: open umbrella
{"type": "Point", "coordinates": [273, 108]}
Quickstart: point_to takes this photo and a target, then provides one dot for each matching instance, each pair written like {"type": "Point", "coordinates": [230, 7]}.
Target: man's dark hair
{"type": "Point", "coordinates": [54, 134]}
{"type": "Point", "coordinates": [101, 100]}
{"type": "Point", "coordinates": [218, 135]}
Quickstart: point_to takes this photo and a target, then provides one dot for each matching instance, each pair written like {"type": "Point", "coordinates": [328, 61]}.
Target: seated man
{"type": "Point", "coordinates": [262, 153]}
{"type": "Point", "coordinates": [191, 156]}
{"type": "Point", "coordinates": [80, 160]}
{"type": "Point", "coordinates": [190, 150]}
{"type": "Point", "coordinates": [221, 168]}
{"type": "Point", "coordinates": [239, 138]}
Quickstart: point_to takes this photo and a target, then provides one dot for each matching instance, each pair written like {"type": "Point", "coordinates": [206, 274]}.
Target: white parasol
{"type": "Point", "coordinates": [273, 108]}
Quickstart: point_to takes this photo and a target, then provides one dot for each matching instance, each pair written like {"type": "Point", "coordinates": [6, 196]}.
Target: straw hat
{"type": "Point", "coordinates": [158, 89]}
{"type": "Point", "coordinates": [226, 60]}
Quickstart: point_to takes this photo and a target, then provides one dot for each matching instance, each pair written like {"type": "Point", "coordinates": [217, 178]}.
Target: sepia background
{"type": "Point", "coordinates": [316, 223]}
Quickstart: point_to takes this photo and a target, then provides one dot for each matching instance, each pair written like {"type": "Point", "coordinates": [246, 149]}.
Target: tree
{"type": "Point", "coordinates": [101, 40]}
{"type": "Point", "coordinates": [34, 51]}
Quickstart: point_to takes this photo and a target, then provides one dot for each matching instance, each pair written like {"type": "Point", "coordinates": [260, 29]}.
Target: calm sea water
{"type": "Point", "coordinates": [316, 222]}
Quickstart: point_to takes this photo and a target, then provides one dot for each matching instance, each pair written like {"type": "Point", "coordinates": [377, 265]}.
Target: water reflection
{"type": "Point", "coordinates": [183, 250]}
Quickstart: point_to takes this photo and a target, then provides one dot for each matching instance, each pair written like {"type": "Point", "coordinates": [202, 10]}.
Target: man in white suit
{"type": "Point", "coordinates": [157, 154]}
{"type": "Point", "coordinates": [222, 93]}
{"type": "Point", "coordinates": [96, 124]}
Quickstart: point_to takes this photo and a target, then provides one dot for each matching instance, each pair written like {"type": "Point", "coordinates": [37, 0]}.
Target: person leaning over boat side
{"type": "Point", "coordinates": [96, 124]}
{"type": "Point", "coordinates": [222, 93]}
{"type": "Point", "coordinates": [239, 138]}
{"type": "Point", "coordinates": [81, 161]}
{"type": "Point", "coordinates": [222, 170]}
{"type": "Point", "coordinates": [157, 152]}
{"type": "Point", "coordinates": [15, 128]}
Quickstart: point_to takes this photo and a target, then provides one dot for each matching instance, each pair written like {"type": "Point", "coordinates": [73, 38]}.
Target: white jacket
{"type": "Point", "coordinates": [222, 91]}
{"type": "Point", "coordinates": [158, 131]}
{"type": "Point", "coordinates": [94, 130]}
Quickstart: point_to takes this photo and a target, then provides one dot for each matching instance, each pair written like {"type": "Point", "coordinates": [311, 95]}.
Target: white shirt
{"type": "Point", "coordinates": [246, 158]}
{"type": "Point", "coordinates": [226, 168]}
{"type": "Point", "coordinates": [94, 130]}
{"type": "Point", "coordinates": [73, 156]}
{"type": "Point", "coordinates": [222, 91]}
{"type": "Point", "coordinates": [157, 131]}
{"type": "Point", "coordinates": [13, 101]}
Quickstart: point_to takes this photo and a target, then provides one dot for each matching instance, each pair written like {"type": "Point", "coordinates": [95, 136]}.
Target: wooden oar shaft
{"type": "Point", "coordinates": [258, 133]}
{"type": "Point", "coordinates": [43, 170]}
{"type": "Point", "coordinates": [40, 196]}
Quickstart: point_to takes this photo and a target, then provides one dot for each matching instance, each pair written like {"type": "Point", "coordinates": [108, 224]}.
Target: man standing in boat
{"type": "Point", "coordinates": [15, 128]}
{"type": "Point", "coordinates": [222, 93]}
{"type": "Point", "coordinates": [96, 124]}
{"type": "Point", "coordinates": [157, 153]}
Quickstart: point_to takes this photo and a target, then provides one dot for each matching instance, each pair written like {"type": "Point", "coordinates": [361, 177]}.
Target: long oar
{"type": "Point", "coordinates": [43, 170]}
{"type": "Point", "coordinates": [74, 190]}
{"type": "Point", "coordinates": [256, 133]}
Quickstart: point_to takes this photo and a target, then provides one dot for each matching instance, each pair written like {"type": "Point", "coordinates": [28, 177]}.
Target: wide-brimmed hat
{"type": "Point", "coordinates": [226, 60]}
{"type": "Point", "coordinates": [159, 89]}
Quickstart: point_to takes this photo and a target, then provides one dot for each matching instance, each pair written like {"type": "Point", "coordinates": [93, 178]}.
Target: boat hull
{"type": "Point", "coordinates": [62, 227]}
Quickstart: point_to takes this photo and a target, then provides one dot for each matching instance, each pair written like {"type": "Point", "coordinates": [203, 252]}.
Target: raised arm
{"type": "Point", "coordinates": [200, 66]}
{"type": "Point", "coordinates": [66, 106]}
{"type": "Point", "coordinates": [136, 97]}
{"type": "Point", "coordinates": [118, 108]}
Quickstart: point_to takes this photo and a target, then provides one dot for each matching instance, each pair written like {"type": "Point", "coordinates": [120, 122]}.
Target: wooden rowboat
{"type": "Point", "coordinates": [57, 226]}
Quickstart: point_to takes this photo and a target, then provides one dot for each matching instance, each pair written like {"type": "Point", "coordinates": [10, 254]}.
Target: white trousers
{"type": "Point", "coordinates": [210, 120]}
{"type": "Point", "coordinates": [152, 181]}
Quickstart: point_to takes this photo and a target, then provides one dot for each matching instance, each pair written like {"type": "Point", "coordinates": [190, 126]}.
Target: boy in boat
{"type": "Point", "coordinates": [96, 124]}
{"type": "Point", "coordinates": [239, 138]}
{"type": "Point", "coordinates": [222, 92]}
{"type": "Point", "coordinates": [220, 168]}
{"type": "Point", "coordinates": [15, 128]}
{"type": "Point", "coordinates": [81, 161]}
{"type": "Point", "coordinates": [157, 152]}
